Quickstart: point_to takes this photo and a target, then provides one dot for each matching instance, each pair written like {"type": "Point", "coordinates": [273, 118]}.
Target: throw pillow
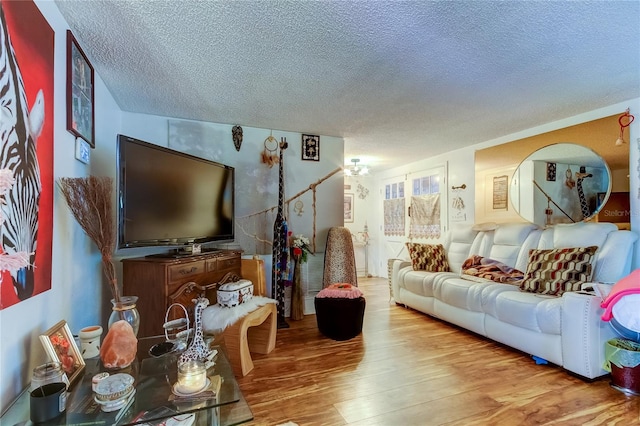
{"type": "Point", "coordinates": [428, 257]}
{"type": "Point", "coordinates": [555, 271]}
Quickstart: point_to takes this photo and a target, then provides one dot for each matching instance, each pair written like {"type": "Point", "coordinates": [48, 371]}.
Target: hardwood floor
{"type": "Point", "coordinates": [407, 368]}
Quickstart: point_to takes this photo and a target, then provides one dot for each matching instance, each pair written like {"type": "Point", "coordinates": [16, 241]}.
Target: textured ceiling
{"type": "Point", "coordinates": [398, 81]}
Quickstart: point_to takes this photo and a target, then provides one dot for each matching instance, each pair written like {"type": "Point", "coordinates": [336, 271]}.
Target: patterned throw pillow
{"type": "Point", "coordinates": [555, 271]}
{"type": "Point", "coordinates": [428, 257]}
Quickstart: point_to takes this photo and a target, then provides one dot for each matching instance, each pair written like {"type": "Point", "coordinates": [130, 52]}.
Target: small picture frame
{"type": "Point", "coordinates": [311, 147]}
{"type": "Point", "coordinates": [348, 208]}
{"type": "Point", "coordinates": [80, 93]}
{"type": "Point", "coordinates": [60, 346]}
{"type": "Point", "coordinates": [83, 151]}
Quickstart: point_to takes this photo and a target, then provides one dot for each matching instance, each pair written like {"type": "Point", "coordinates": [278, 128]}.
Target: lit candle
{"type": "Point", "coordinates": [192, 376]}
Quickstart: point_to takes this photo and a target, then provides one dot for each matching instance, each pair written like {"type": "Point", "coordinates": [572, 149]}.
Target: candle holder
{"type": "Point", "coordinates": [192, 378]}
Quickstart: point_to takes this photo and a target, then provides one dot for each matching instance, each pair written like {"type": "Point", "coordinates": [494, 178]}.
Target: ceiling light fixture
{"type": "Point", "coordinates": [355, 169]}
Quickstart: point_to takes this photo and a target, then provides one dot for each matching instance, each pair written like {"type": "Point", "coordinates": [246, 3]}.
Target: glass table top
{"type": "Point", "coordinates": [153, 399]}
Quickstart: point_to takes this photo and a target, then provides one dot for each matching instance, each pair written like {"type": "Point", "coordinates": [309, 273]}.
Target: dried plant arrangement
{"type": "Point", "coordinates": [90, 201]}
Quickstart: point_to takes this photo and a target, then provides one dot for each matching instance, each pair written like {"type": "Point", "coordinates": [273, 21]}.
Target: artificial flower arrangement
{"type": "Point", "coordinates": [300, 247]}
{"type": "Point", "coordinates": [11, 262]}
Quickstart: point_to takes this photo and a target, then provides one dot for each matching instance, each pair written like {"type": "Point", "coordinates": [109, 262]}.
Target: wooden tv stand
{"type": "Point", "coordinates": [155, 279]}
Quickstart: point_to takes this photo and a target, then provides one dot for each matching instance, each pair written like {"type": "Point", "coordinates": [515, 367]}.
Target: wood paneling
{"type": "Point", "coordinates": [407, 368]}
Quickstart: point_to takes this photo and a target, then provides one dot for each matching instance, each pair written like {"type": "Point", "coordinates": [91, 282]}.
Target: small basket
{"type": "Point", "coordinates": [177, 330]}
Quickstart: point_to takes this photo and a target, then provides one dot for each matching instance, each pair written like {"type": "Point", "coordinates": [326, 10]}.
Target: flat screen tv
{"type": "Point", "coordinates": [169, 198]}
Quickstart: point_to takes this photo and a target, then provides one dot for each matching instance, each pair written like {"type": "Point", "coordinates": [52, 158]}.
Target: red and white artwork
{"type": "Point", "coordinates": [26, 146]}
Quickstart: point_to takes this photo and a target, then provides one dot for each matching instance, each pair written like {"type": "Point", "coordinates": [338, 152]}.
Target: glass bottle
{"type": "Point", "coordinates": [126, 310]}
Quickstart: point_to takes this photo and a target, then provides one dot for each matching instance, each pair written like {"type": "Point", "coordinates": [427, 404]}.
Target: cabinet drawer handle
{"type": "Point", "coordinates": [188, 271]}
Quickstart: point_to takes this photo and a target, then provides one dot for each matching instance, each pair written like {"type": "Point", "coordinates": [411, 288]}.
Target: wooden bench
{"type": "Point", "coordinates": [255, 332]}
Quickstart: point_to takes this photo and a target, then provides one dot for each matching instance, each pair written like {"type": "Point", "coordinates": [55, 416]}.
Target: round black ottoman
{"type": "Point", "coordinates": [339, 318]}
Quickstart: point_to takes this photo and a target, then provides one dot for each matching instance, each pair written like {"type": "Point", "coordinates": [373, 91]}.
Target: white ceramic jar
{"type": "Point", "coordinates": [90, 341]}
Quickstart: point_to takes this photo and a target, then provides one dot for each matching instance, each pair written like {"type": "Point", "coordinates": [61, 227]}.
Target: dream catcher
{"type": "Point", "coordinates": [270, 153]}
{"type": "Point", "coordinates": [569, 178]}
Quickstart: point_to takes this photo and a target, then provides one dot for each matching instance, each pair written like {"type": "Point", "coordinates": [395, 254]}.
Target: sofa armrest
{"type": "Point", "coordinates": [584, 334]}
{"type": "Point", "coordinates": [398, 264]}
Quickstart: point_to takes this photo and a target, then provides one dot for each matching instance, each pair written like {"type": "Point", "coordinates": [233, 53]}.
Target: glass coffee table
{"type": "Point", "coordinates": [153, 403]}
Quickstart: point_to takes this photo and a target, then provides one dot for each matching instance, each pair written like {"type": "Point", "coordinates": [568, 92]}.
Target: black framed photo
{"type": "Point", "coordinates": [80, 93]}
{"type": "Point", "coordinates": [311, 147]}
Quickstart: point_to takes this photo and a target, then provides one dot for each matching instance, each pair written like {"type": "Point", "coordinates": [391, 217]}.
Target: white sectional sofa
{"type": "Point", "coordinates": [565, 330]}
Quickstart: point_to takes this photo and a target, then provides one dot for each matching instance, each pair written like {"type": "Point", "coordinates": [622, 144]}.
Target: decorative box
{"type": "Point", "coordinates": [235, 293]}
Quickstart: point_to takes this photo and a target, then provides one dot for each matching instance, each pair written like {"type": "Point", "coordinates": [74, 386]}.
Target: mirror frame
{"type": "Point", "coordinates": [556, 193]}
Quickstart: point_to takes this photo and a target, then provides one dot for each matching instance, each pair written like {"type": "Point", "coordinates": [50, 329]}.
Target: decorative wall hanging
{"type": "Point", "coordinates": [624, 120]}
{"type": "Point", "coordinates": [551, 172]}
{"type": "Point", "coordinates": [457, 204]}
{"type": "Point", "coordinates": [236, 133]}
{"type": "Point", "coordinates": [298, 207]}
{"type": "Point", "coordinates": [363, 192]}
{"type": "Point", "coordinates": [80, 93]}
{"type": "Point", "coordinates": [311, 147]}
{"type": "Point", "coordinates": [425, 216]}
{"type": "Point", "coordinates": [500, 193]}
{"type": "Point", "coordinates": [394, 217]}
{"type": "Point", "coordinates": [348, 208]}
{"type": "Point", "coordinates": [27, 147]}
{"type": "Point", "coordinates": [270, 153]}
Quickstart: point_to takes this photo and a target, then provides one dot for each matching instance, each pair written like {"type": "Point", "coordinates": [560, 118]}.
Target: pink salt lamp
{"type": "Point", "coordinates": [119, 347]}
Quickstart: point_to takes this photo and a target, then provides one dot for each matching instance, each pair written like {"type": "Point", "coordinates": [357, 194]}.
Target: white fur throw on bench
{"type": "Point", "coordinates": [216, 318]}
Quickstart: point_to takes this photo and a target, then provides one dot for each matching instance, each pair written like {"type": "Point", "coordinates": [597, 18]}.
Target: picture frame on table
{"type": "Point", "coordinates": [80, 93]}
{"type": "Point", "coordinates": [60, 346]}
{"type": "Point", "coordinates": [311, 147]}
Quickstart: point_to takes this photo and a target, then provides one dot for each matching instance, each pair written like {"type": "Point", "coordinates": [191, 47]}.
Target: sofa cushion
{"type": "Point", "coordinates": [461, 292]}
{"type": "Point", "coordinates": [536, 312]}
{"type": "Point", "coordinates": [555, 271]}
{"type": "Point", "coordinates": [421, 282]}
{"type": "Point", "coordinates": [428, 257]}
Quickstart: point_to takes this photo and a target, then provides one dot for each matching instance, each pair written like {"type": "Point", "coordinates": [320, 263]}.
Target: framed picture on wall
{"type": "Point", "coordinates": [60, 346]}
{"type": "Point", "coordinates": [500, 192]}
{"type": "Point", "coordinates": [348, 207]}
{"type": "Point", "coordinates": [311, 147]}
{"type": "Point", "coordinates": [80, 93]}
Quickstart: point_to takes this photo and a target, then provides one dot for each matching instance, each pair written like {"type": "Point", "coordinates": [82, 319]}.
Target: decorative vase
{"type": "Point", "coordinates": [126, 310]}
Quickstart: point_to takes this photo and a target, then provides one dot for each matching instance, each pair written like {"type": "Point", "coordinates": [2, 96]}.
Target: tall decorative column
{"type": "Point", "coordinates": [280, 250]}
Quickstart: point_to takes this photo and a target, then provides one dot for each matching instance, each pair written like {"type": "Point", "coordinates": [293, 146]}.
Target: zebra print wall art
{"type": "Point", "coordinates": [26, 146]}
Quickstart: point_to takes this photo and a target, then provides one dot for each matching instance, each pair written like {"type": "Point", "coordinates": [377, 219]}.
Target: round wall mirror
{"type": "Point", "coordinates": [560, 183]}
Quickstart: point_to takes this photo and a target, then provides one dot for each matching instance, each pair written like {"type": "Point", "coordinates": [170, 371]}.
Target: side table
{"type": "Point", "coordinates": [255, 332]}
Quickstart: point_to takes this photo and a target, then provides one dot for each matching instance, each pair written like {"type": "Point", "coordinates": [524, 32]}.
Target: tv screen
{"type": "Point", "coordinates": [169, 198]}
